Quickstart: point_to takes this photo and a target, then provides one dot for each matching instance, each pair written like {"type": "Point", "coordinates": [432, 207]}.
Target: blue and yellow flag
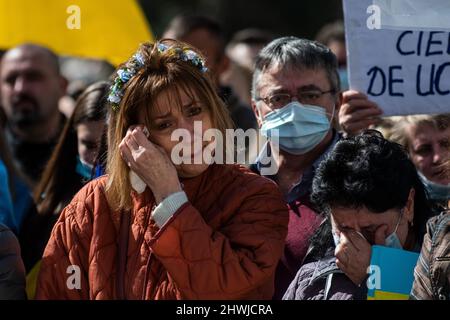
{"type": "Point", "coordinates": [100, 29]}
{"type": "Point", "coordinates": [392, 272]}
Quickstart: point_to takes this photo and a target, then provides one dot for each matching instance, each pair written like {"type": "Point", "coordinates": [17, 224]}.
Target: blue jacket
{"type": "Point", "coordinates": [6, 204]}
{"type": "Point", "coordinates": [13, 211]}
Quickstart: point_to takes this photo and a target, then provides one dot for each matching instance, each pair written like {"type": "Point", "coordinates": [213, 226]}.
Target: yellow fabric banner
{"type": "Point", "coordinates": [99, 29]}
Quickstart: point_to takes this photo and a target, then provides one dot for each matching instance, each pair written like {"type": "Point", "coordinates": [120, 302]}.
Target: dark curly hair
{"type": "Point", "coordinates": [372, 172]}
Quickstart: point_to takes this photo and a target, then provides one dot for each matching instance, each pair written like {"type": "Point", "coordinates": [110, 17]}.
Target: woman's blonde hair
{"type": "Point", "coordinates": [399, 131]}
{"type": "Point", "coordinates": [161, 71]}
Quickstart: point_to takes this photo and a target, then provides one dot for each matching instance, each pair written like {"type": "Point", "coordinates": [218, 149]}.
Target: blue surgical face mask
{"type": "Point", "coordinates": [435, 190]}
{"type": "Point", "coordinates": [84, 169]}
{"type": "Point", "coordinates": [298, 127]}
{"type": "Point", "coordinates": [392, 240]}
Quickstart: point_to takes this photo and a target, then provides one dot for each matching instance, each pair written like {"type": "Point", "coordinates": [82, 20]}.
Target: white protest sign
{"type": "Point", "coordinates": [398, 53]}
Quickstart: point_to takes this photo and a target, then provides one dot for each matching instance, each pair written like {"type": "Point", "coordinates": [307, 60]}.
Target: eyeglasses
{"type": "Point", "coordinates": [279, 100]}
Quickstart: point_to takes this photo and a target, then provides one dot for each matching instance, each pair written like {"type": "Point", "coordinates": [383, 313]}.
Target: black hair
{"type": "Point", "coordinates": [372, 172]}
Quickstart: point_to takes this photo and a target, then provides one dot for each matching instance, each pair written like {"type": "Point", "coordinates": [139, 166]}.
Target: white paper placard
{"type": "Point", "coordinates": [398, 53]}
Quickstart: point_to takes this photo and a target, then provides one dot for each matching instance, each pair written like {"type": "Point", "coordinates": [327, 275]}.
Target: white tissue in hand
{"type": "Point", "coordinates": [137, 183]}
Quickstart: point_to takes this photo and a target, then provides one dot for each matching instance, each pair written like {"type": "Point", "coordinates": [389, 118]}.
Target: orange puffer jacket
{"type": "Point", "coordinates": [223, 244]}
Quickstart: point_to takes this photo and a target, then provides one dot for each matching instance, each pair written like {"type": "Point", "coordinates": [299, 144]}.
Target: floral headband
{"type": "Point", "coordinates": [137, 62]}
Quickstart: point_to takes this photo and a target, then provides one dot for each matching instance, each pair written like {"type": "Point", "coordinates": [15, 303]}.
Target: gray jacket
{"type": "Point", "coordinates": [323, 280]}
{"type": "Point", "coordinates": [12, 270]}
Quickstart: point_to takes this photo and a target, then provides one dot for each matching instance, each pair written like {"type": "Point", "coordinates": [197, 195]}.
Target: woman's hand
{"type": "Point", "coordinates": [150, 162]}
{"type": "Point", "coordinates": [353, 256]}
{"type": "Point", "coordinates": [357, 112]}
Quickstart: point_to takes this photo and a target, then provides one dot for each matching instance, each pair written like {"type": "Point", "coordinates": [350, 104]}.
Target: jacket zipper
{"type": "Point", "coordinates": [442, 258]}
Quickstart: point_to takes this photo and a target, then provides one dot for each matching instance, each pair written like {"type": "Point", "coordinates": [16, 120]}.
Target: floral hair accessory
{"type": "Point", "coordinates": [123, 76]}
{"type": "Point", "coordinates": [184, 54]}
{"type": "Point", "coordinates": [137, 62]}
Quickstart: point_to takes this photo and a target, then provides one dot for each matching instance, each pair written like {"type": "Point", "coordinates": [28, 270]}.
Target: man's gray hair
{"type": "Point", "coordinates": [296, 53]}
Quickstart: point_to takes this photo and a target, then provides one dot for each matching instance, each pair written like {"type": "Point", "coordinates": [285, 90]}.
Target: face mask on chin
{"type": "Point", "coordinates": [392, 240]}
{"type": "Point", "coordinates": [435, 190]}
{"type": "Point", "coordinates": [299, 128]}
{"type": "Point", "coordinates": [84, 169]}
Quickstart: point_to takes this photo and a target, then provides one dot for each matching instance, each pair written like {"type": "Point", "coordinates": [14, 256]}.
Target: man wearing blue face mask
{"type": "Point", "coordinates": [371, 194]}
{"type": "Point", "coordinates": [295, 97]}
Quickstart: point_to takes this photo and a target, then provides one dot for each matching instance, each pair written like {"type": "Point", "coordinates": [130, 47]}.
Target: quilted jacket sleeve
{"type": "Point", "coordinates": [63, 272]}
{"type": "Point", "coordinates": [422, 288]}
{"type": "Point", "coordinates": [296, 289]}
{"type": "Point", "coordinates": [233, 260]}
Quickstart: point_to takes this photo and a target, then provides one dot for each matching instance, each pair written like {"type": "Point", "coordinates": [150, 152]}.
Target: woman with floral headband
{"type": "Point", "coordinates": [184, 231]}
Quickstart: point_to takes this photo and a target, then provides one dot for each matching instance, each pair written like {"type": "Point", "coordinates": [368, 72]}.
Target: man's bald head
{"type": "Point", "coordinates": [30, 87]}
{"type": "Point", "coordinates": [33, 51]}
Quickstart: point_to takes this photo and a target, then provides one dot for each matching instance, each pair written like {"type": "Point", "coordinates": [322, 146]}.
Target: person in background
{"type": "Point", "coordinates": [333, 36]}
{"type": "Point", "coordinates": [12, 271]}
{"type": "Point", "coordinates": [16, 201]}
{"type": "Point", "coordinates": [6, 207]}
{"type": "Point", "coordinates": [66, 104]}
{"type": "Point", "coordinates": [357, 112]}
{"type": "Point", "coordinates": [7, 217]}
{"type": "Point", "coordinates": [30, 88]}
{"type": "Point", "coordinates": [206, 34]}
{"type": "Point", "coordinates": [371, 194]}
{"type": "Point", "coordinates": [68, 170]}
{"type": "Point", "coordinates": [427, 139]}
{"type": "Point", "coordinates": [242, 51]}
{"type": "Point", "coordinates": [81, 73]}
{"type": "Point", "coordinates": [386, 126]}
